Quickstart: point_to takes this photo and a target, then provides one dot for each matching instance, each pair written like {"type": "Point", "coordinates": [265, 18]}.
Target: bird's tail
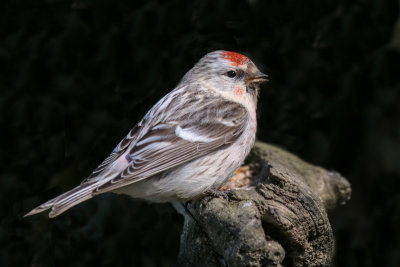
{"type": "Point", "coordinates": [65, 201]}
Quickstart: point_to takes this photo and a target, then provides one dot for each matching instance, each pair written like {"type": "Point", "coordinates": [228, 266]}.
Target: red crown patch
{"type": "Point", "coordinates": [236, 59]}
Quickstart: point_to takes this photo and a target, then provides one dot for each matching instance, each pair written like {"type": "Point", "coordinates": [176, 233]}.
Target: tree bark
{"type": "Point", "coordinates": [278, 219]}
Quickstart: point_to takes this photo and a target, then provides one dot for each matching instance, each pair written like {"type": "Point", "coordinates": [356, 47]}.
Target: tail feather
{"type": "Point", "coordinates": [65, 201]}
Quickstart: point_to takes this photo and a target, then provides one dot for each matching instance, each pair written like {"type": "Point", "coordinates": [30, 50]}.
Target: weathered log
{"type": "Point", "coordinates": [278, 219]}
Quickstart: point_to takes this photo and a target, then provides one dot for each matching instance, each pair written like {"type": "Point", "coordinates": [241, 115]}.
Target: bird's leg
{"type": "Point", "coordinates": [219, 193]}
{"type": "Point", "coordinates": [214, 193]}
{"type": "Point", "coordinates": [185, 206]}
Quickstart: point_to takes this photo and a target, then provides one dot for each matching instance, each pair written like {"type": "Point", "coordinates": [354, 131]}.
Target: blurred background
{"type": "Point", "coordinates": [75, 76]}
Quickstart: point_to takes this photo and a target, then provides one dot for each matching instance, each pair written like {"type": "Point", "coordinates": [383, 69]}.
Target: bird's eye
{"type": "Point", "coordinates": [231, 73]}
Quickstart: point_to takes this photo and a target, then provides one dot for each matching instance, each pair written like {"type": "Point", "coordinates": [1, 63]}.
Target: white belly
{"type": "Point", "coordinates": [192, 179]}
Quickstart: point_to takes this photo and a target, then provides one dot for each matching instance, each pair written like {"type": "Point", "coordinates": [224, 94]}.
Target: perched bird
{"type": "Point", "coordinates": [191, 142]}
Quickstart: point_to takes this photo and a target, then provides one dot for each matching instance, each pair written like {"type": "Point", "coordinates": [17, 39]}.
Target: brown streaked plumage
{"type": "Point", "coordinates": [190, 142]}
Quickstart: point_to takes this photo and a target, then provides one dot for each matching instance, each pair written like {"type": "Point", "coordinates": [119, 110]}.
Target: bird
{"type": "Point", "coordinates": [189, 143]}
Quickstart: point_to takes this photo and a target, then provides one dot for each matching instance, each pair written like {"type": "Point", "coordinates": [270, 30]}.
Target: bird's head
{"type": "Point", "coordinates": [230, 72]}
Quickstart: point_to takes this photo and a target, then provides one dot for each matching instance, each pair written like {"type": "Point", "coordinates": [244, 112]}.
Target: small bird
{"type": "Point", "coordinates": [189, 143]}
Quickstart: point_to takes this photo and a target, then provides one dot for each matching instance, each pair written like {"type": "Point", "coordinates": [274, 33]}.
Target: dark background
{"type": "Point", "coordinates": [75, 76]}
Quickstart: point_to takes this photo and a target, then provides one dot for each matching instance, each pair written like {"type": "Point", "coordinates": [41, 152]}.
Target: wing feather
{"type": "Point", "coordinates": [181, 142]}
{"type": "Point", "coordinates": [186, 124]}
{"type": "Point", "coordinates": [115, 154]}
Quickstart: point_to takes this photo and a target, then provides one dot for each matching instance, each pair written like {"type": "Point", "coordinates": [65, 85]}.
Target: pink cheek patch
{"type": "Point", "coordinates": [238, 90]}
{"type": "Point", "coordinates": [235, 59]}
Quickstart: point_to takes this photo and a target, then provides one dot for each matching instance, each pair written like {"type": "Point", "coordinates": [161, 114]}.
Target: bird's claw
{"type": "Point", "coordinates": [215, 193]}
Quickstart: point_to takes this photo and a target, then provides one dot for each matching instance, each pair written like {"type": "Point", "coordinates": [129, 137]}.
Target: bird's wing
{"type": "Point", "coordinates": [84, 191]}
{"type": "Point", "coordinates": [182, 126]}
{"type": "Point", "coordinates": [120, 149]}
{"type": "Point", "coordinates": [188, 134]}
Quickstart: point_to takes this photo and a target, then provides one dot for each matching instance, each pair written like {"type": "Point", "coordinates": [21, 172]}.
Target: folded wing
{"type": "Point", "coordinates": [194, 126]}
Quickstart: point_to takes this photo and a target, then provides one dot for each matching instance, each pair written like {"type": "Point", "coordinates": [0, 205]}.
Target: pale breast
{"type": "Point", "coordinates": [194, 178]}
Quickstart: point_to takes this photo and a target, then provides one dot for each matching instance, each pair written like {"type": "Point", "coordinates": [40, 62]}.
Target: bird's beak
{"type": "Point", "coordinates": [259, 77]}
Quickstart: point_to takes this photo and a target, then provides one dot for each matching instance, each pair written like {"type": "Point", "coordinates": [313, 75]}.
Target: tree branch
{"type": "Point", "coordinates": [278, 219]}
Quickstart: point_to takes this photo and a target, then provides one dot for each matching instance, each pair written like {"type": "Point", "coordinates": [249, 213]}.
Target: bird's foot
{"type": "Point", "coordinates": [215, 193]}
